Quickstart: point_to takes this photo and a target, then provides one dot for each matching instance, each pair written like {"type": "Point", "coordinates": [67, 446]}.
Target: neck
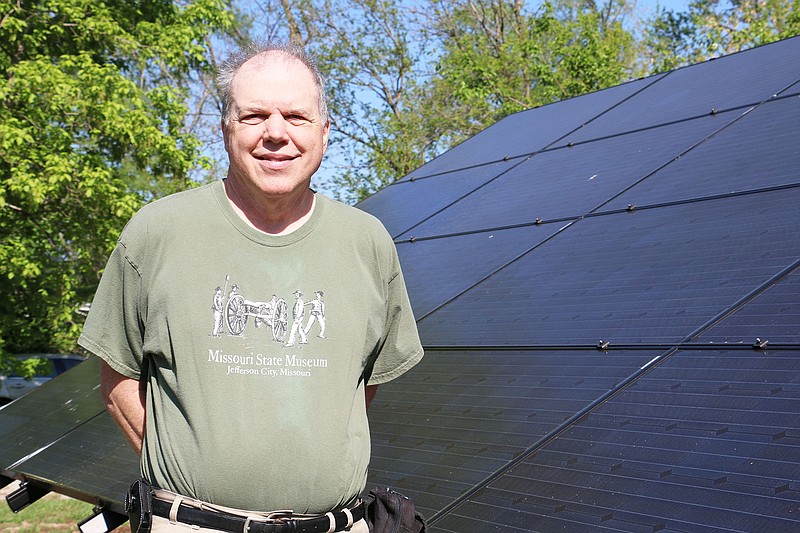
{"type": "Point", "coordinates": [274, 216]}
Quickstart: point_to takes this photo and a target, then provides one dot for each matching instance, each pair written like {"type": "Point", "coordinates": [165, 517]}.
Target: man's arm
{"type": "Point", "coordinates": [124, 399]}
{"type": "Point", "coordinates": [369, 393]}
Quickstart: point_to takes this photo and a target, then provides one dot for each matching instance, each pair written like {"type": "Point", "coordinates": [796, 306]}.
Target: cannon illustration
{"type": "Point", "coordinates": [273, 314]}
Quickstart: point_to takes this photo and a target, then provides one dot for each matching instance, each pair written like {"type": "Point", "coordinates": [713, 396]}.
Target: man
{"type": "Point", "coordinates": [298, 314]}
{"type": "Point", "coordinates": [317, 314]}
{"type": "Point", "coordinates": [216, 307]}
{"type": "Point", "coordinates": [238, 421]}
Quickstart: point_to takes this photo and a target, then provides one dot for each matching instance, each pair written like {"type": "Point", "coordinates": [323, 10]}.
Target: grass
{"type": "Point", "coordinates": [52, 514]}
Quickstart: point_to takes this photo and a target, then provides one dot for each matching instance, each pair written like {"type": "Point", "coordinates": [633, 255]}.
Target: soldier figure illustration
{"type": "Point", "coordinates": [298, 313]}
{"type": "Point", "coordinates": [317, 314]}
{"type": "Point", "coordinates": [217, 307]}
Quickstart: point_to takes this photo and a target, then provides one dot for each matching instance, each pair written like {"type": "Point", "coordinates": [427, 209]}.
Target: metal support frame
{"type": "Point", "coordinates": [26, 494]}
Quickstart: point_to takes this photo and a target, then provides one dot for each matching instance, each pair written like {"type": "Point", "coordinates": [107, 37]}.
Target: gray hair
{"type": "Point", "coordinates": [228, 69]}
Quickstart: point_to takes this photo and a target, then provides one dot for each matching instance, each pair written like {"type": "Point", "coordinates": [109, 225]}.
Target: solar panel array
{"type": "Point", "coordinates": [609, 295]}
{"type": "Point", "coordinates": [608, 290]}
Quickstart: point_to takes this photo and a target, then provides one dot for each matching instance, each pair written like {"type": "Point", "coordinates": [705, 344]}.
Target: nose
{"type": "Point", "coordinates": [275, 128]}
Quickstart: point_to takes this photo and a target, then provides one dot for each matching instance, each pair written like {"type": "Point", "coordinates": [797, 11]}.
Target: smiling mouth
{"type": "Point", "coordinates": [275, 162]}
{"type": "Point", "coordinates": [275, 158]}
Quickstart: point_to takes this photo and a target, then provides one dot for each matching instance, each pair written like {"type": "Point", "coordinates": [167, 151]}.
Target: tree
{"type": "Point", "coordinates": [499, 59]}
{"type": "Point", "coordinates": [712, 28]}
{"type": "Point", "coordinates": [91, 126]}
{"type": "Point", "coordinates": [371, 61]}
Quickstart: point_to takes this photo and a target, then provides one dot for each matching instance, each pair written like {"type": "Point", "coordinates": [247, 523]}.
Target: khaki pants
{"type": "Point", "coordinates": [161, 525]}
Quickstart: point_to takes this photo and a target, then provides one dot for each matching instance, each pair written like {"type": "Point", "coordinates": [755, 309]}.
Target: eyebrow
{"type": "Point", "coordinates": [247, 109]}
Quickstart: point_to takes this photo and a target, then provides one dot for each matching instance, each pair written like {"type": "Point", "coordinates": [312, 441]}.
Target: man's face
{"type": "Point", "coordinates": [275, 137]}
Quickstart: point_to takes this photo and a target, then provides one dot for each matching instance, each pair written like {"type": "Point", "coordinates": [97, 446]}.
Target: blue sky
{"type": "Point", "coordinates": [674, 5]}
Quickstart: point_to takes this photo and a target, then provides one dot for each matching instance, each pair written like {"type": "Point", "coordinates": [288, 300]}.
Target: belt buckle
{"type": "Point", "coordinates": [282, 522]}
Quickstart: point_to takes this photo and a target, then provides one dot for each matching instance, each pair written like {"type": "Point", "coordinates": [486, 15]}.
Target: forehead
{"type": "Point", "coordinates": [274, 78]}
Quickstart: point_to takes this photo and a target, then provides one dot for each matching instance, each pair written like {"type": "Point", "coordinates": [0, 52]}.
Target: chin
{"type": "Point", "coordinates": [282, 189]}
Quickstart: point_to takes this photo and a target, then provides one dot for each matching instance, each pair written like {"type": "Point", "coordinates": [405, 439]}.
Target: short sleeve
{"type": "Point", "coordinates": [114, 328]}
{"type": "Point", "coordinates": [402, 348]}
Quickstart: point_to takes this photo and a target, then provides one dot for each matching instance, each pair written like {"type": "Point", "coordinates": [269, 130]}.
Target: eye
{"type": "Point", "coordinates": [296, 119]}
{"type": "Point", "coordinates": [252, 119]}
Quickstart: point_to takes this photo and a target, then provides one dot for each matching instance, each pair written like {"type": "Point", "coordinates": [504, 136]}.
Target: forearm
{"type": "Point", "coordinates": [124, 399]}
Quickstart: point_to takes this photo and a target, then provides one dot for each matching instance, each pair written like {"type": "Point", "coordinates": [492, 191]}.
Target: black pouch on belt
{"type": "Point", "coordinates": [388, 511]}
{"type": "Point", "coordinates": [138, 506]}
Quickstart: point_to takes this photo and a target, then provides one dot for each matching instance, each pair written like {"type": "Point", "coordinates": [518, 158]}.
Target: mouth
{"type": "Point", "coordinates": [275, 161]}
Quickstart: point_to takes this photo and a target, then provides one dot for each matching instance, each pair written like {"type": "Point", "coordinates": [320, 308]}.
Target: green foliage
{"type": "Point", "coordinates": [92, 111]}
{"type": "Point", "coordinates": [712, 28]}
{"type": "Point", "coordinates": [499, 59]}
{"type": "Point", "coordinates": [26, 368]}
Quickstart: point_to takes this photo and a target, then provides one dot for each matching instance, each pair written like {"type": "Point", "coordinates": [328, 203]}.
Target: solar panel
{"type": "Point", "coordinates": [758, 151]}
{"type": "Point", "coordinates": [772, 316]}
{"type": "Point", "coordinates": [64, 418]}
{"type": "Point", "coordinates": [100, 463]}
{"type": "Point", "coordinates": [412, 202]}
{"type": "Point", "coordinates": [654, 275]}
{"type": "Point", "coordinates": [529, 131]}
{"type": "Point", "coordinates": [474, 411]}
{"type": "Point", "coordinates": [438, 270]}
{"type": "Point", "coordinates": [688, 447]}
{"type": "Point", "coordinates": [570, 182]}
{"type": "Point", "coordinates": [736, 81]}
{"type": "Point", "coordinates": [49, 412]}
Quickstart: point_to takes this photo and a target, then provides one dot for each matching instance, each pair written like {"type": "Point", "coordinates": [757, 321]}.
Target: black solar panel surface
{"type": "Point", "coordinates": [653, 275]}
{"type": "Point", "coordinates": [439, 270]}
{"type": "Point", "coordinates": [706, 442]}
{"type": "Point", "coordinates": [772, 316]}
{"type": "Point", "coordinates": [471, 412]}
{"type": "Point", "coordinates": [757, 151]}
{"type": "Point", "coordinates": [60, 434]}
{"type": "Point", "coordinates": [90, 460]}
{"type": "Point", "coordinates": [415, 201]}
{"type": "Point", "coordinates": [570, 182]}
{"type": "Point", "coordinates": [49, 412]}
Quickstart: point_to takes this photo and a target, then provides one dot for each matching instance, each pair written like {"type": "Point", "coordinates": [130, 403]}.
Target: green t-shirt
{"type": "Point", "coordinates": [255, 347]}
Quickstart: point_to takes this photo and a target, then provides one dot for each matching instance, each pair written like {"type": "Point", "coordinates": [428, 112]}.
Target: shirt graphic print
{"type": "Point", "coordinates": [283, 323]}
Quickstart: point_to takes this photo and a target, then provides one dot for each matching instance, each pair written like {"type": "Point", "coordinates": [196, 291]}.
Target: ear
{"type": "Point", "coordinates": [326, 130]}
{"type": "Point", "coordinates": [223, 127]}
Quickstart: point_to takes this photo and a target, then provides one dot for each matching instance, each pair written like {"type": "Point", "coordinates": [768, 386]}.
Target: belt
{"type": "Point", "coordinates": [327, 523]}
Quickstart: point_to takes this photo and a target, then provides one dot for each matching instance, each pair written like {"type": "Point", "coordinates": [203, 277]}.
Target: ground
{"type": "Point", "coordinates": [53, 520]}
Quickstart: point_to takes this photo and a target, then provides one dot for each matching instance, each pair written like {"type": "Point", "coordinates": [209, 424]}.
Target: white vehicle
{"type": "Point", "coordinates": [12, 386]}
